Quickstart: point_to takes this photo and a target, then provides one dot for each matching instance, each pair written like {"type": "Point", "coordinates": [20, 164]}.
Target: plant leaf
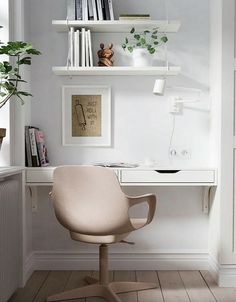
{"type": "Point", "coordinates": [137, 37]}
{"type": "Point", "coordinates": [132, 30]}
{"type": "Point", "coordinates": [164, 39]}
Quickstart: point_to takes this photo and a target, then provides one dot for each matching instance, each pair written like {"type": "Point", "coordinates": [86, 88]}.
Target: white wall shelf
{"type": "Point", "coordinates": [119, 26]}
{"type": "Point", "coordinates": [117, 71]}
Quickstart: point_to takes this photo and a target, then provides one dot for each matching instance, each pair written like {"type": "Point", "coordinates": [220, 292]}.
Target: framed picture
{"type": "Point", "coordinates": [86, 116]}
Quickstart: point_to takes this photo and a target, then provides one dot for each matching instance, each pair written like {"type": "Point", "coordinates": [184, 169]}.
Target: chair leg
{"type": "Point", "coordinates": [82, 292]}
{"type": "Point", "coordinates": [91, 280]}
{"type": "Point", "coordinates": [125, 287]}
{"type": "Point", "coordinates": [110, 296]}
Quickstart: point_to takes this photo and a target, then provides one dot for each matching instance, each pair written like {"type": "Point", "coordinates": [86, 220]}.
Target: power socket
{"type": "Point", "coordinates": [181, 152]}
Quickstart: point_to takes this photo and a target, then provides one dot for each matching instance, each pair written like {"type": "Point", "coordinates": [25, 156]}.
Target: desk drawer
{"type": "Point", "coordinates": [158, 176]}
{"type": "Point", "coordinates": [39, 175]}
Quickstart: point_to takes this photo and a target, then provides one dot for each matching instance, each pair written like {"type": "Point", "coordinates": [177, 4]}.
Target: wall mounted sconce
{"type": "Point", "coordinates": [159, 86]}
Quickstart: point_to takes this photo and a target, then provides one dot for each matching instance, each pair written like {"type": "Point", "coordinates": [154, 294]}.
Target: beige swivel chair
{"type": "Point", "coordinates": [89, 202]}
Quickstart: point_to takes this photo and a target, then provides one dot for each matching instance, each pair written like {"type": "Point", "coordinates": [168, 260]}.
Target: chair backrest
{"type": "Point", "coordinates": [89, 200]}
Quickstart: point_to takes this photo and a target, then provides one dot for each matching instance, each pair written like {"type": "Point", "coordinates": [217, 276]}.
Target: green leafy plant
{"type": "Point", "coordinates": [20, 54]}
{"type": "Point", "coordinates": [148, 39]}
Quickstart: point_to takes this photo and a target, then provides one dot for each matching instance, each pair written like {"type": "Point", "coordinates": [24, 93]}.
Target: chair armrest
{"type": "Point", "coordinates": [151, 201]}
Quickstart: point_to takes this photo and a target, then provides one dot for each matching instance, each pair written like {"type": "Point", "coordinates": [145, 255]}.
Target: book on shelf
{"type": "Point", "coordinates": [99, 8]}
{"type": "Point", "coordinates": [36, 152]}
{"type": "Point", "coordinates": [33, 147]}
{"type": "Point", "coordinates": [94, 6]}
{"type": "Point", "coordinates": [83, 47]}
{"type": "Point", "coordinates": [77, 48]}
{"type": "Point", "coordinates": [71, 10]}
{"type": "Point", "coordinates": [111, 10]}
{"type": "Point", "coordinates": [85, 10]}
{"type": "Point", "coordinates": [86, 49]}
{"type": "Point", "coordinates": [78, 10]}
{"type": "Point", "coordinates": [90, 48]}
{"type": "Point", "coordinates": [41, 147]}
{"type": "Point", "coordinates": [134, 17]}
{"type": "Point", "coordinates": [71, 47]}
{"type": "Point", "coordinates": [90, 10]}
{"type": "Point", "coordinates": [106, 10]}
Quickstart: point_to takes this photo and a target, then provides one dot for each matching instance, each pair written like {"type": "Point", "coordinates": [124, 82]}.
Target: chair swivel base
{"type": "Point", "coordinates": [108, 292]}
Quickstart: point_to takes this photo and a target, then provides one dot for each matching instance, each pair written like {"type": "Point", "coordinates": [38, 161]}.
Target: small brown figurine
{"type": "Point", "coordinates": [105, 55]}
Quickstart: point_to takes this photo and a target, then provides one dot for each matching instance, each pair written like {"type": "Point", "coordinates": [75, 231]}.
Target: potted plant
{"type": "Point", "coordinates": [19, 53]}
{"type": "Point", "coordinates": [143, 45]}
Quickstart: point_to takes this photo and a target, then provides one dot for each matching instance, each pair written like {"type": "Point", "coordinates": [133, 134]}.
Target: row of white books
{"type": "Point", "coordinates": [90, 10]}
{"type": "Point", "coordinates": [80, 48]}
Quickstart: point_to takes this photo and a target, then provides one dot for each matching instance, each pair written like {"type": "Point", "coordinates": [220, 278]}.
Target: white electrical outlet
{"type": "Point", "coordinates": [180, 152]}
{"type": "Point", "coordinates": [176, 107]}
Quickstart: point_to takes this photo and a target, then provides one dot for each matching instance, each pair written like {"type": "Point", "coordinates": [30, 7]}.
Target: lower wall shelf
{"type": "Point", "coordinates": [117, 71]}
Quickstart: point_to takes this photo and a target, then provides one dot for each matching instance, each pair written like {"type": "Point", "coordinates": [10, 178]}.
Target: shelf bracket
{"type": "Point", "coordinates": [206, 199]}
{"type": "Point", "coordinates": [34, 198]}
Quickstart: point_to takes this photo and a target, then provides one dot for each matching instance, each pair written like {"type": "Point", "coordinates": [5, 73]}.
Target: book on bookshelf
{"type": "Point", "coordinates": [77, 48]}
{"type": "Point", "coordinates": [41, 147]}
{"type": "Point", "coordinates": [90, 48]}
{"type": "Point", "coordinates": [33, 147]}
{"type": "Point", "coordinates": [71, 10]}
{"type": "Point", "coordinates": [86, 49]}
{"type": "Point", "coordinates": [99, 7]}
{"type": "Point", "coordinates": [71, 47]}
{"type": "Point", "coordinates": [134, 17]}
{"type": "Point", "coordinates": [83, 47]}
{"type": "Point", "coordinates": [78, 9]}
{"type": "Point", "coordinates": [90, 10]}
{"type": "Point", "coordinates": [110, 4]}
{"type": "Point", "coordinates": [28, 159]}
{"type": "Point", "coordinates": [85, 10]}
{"type": "Point", "coordinates": [106, 9]}
{"type": "Point", "coordinates": [94, 6]}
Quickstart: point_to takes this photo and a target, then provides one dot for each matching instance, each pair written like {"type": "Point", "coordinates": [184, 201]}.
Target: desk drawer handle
{"type": "Point", "coordinates": [167, 171]}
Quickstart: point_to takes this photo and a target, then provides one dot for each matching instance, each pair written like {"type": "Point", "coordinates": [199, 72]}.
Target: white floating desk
{"type": "Point", "coordinates": [140, 176]}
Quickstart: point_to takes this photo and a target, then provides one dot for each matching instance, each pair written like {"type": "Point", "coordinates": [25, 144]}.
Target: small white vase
{"type": "Point", "coordinates": [141, 57]}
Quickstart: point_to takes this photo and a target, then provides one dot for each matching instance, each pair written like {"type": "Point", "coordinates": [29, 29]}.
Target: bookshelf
{"type": "Point", "coordinates": [117, 71]}
{"type": "Point", "coordinates": [117, 26]}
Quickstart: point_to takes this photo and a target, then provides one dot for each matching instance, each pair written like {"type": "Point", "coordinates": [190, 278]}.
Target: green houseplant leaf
{"type": "Point", "coordinates": [20, 53]}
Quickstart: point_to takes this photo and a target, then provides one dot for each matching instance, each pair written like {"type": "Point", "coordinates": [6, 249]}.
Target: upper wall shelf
{"type": "Point", "coordinates": [119, 26]}
{"type": "Point", "coordinates": [117, 71]}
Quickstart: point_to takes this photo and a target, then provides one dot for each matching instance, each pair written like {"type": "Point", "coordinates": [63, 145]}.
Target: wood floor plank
{"type": "Point", "coordinates": [196, 287]}
{"type": "Point", "coordinates": [221, 294]}
{"type": "Point", "coordinates": [173, 289]}
{"type": "Point", "coordinates": [151, 295]}
{"type": "Point", "coordinates": [126, 276]}
{"type": "Point", "coordinates": [55, 283]}
{"type": "Point", "coordinates": [32, 287]}
{"type": "Point", "coordinates": [76, 280]}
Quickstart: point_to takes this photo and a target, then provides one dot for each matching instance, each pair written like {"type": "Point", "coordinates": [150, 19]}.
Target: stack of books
{"type": "Point", "coordinates": [134, 17]}
{"type": "Point", "coordinates": [90, 10]}
{"type": "Point", "coordinates": [80, 48]}
{"type": "Point", "coordinates": [36, 151]}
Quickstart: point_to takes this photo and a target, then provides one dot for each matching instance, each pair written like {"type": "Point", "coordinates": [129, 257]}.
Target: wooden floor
{"type": "Point", "coordinates": [173, 286]}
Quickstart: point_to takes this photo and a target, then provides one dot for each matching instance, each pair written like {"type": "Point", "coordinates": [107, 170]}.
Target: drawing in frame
{"type": "Point", "coordinates": [86, 116]}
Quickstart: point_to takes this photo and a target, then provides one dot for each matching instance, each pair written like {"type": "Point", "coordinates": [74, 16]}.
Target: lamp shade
{"type": "Point", "coordinates": [159, 87]}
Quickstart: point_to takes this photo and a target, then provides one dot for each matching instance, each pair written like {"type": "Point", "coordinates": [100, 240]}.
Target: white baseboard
{"type": "Point", "coordinates": [120, 261]}
{"type": "Point", "coordinates": [224, 275]}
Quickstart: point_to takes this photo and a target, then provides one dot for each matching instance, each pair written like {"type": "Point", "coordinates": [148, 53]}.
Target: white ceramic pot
{"type": "Point", "coordinates": [141, 57]}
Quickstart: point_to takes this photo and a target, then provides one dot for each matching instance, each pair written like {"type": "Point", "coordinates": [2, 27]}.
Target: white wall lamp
{"type": "Point", "coordinates": [159, 86]}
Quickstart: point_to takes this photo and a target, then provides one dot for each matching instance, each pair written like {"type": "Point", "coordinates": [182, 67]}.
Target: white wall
{"type": "Point", "coordinates": [140, 121]}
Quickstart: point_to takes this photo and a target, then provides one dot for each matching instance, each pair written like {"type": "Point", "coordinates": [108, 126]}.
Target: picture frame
{"type": "Point", "coordinates": [86, 116]}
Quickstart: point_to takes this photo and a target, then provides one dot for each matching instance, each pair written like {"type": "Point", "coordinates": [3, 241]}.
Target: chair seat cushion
{"type": "Point", "coordinates": [98, 239]}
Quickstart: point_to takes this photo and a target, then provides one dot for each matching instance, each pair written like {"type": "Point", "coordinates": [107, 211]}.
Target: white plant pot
{"type": "Point", "coordinates": [141, 57]}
